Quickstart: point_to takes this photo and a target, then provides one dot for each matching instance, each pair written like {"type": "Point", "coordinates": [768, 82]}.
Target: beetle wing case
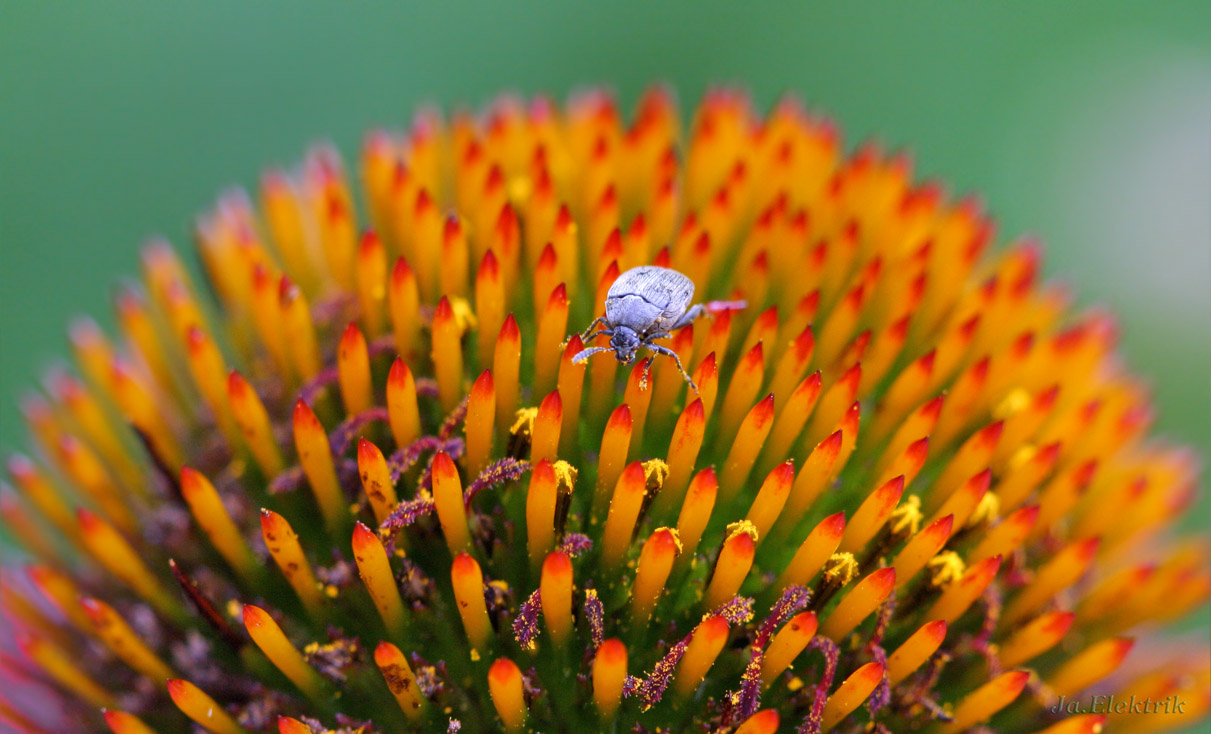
{"type": "Point", "coordinates": [648, 299]}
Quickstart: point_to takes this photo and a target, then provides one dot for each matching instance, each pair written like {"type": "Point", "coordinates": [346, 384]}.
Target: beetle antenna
{"type": "Point", "coordinates": [584, 355]}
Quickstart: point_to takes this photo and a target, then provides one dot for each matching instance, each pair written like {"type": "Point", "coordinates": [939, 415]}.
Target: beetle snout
{"type": "Point", "coordinates": [625, 343]}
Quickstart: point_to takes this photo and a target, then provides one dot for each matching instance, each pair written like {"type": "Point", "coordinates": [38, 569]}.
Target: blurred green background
{"type": "Point", "coordinates": [1087, 124]}
{"type": "Point", "coordinates": [1084, 123]}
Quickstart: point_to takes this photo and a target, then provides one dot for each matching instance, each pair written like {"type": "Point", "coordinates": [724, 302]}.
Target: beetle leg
{"type": "Point", "coordinates": [584, 335]}
{"type": "Point", "coordinates": [646, 378]}
{"type": "Point", "coordinates": [584, 355]}
{"type": "Point", "coordinates": [689, 316]}
{"type": "Point", "coordinates": [587, 338]}
{"type": "Point", "coordinates": [717, 306]}
{"type": "Point", "coordinates": [659, 349]}
{"type": "Point", "coordinates": [710, 307]}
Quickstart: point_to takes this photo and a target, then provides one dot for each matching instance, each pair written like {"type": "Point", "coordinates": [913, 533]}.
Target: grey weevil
{"type": "Point", "coordinates": [647, 303]}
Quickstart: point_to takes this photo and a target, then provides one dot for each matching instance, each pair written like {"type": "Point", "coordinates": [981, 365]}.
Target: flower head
{"type": "Point", "coordinates": [359, 477]}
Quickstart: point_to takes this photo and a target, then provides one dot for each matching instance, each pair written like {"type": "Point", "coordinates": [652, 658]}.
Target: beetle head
{"type": "Point", "coordinates": [625, 343]}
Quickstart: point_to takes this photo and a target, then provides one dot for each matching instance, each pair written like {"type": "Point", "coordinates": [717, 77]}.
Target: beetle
{"type": "Point", "coordinates": [647, 303]}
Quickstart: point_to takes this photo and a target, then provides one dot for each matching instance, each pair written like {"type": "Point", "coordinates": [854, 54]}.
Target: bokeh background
{"type": "Point", "coordinates": [1086, 124]}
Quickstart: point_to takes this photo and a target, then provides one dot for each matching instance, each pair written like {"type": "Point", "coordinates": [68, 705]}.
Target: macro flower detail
{"type": "Point", "coordinates": [354, 477]}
